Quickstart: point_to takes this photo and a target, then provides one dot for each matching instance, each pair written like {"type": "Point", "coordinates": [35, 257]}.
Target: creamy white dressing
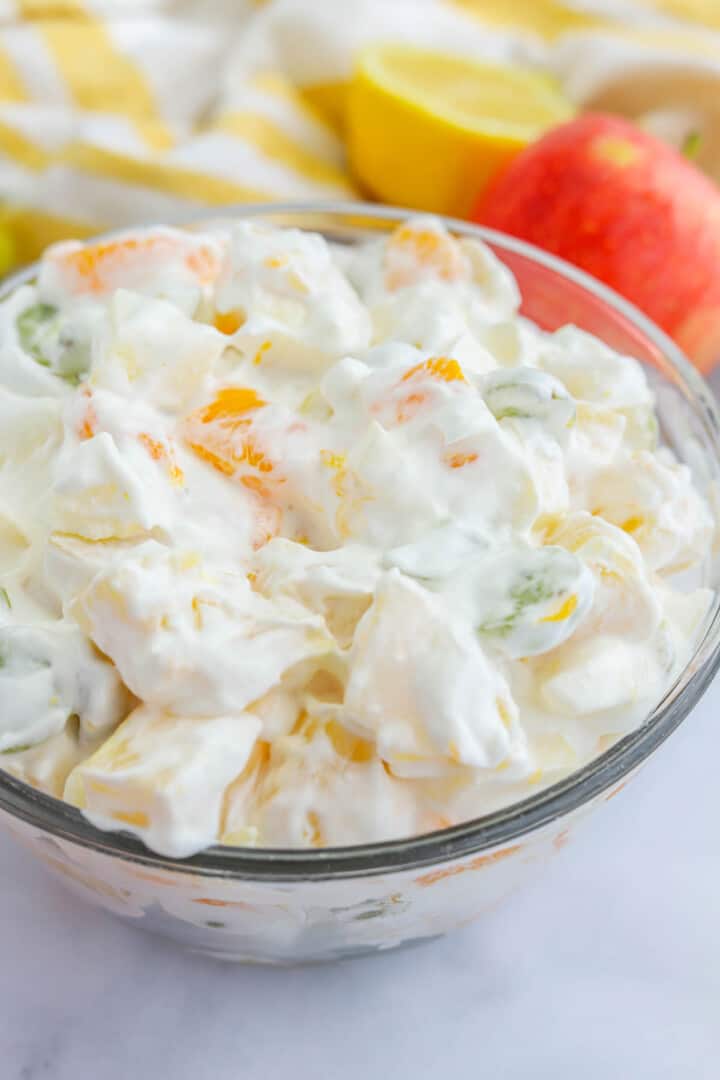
{"type": "Point", "coordinates": [302, 546]}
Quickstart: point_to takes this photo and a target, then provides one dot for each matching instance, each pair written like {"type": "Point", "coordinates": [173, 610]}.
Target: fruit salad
{"type": "Point", "coordinates": [305, 545]}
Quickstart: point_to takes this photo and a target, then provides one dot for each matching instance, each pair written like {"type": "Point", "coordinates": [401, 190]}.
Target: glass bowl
{"type": "Point", "coordinates": [277, 906]}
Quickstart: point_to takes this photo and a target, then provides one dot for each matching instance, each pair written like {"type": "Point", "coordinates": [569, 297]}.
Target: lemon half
{"type": "Point", "coordinates": [428, 130]}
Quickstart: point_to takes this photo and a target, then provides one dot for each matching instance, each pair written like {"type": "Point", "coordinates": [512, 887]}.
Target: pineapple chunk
{"type": "Point", "coordinates": [163, 777]}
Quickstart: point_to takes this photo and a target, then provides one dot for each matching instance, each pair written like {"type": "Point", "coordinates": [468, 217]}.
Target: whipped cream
{"type": "Point", "coordinates": [305, 545]}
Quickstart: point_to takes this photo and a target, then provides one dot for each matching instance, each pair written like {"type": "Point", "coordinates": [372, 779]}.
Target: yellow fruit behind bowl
{"type": "Point", "coordinates": [7, 251]}
{"type": "Point", "coordinates": [429, 130]}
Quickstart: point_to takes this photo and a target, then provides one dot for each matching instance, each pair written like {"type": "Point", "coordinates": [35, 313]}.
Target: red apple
{"type": "Point", "coordinates": [630, 210]}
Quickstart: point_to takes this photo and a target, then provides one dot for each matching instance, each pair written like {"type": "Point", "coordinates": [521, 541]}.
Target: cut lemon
{"type": "Point", "coordinates": [429, 130]}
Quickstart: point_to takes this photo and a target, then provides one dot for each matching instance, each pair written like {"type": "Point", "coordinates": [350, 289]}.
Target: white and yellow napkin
{"type": "Point", "coordinates": [114, 112]}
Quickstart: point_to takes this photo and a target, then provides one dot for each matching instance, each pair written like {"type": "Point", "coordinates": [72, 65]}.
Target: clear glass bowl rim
{"type": "Point", "coordinates": [603, 773]}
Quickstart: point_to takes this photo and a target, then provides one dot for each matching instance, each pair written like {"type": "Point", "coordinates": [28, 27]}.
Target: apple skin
{"type": "Point", "coordinates": [628, 209]}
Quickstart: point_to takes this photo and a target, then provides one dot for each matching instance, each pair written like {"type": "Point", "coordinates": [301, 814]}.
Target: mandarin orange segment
{"type": "Point", "coordinates": [159, 452]}
{"type": "Point", "coordinates": [155, 449]}
{"type": "Point", "coordinates": [230, 403]}
{"type": "Point", "coordinates": [203, 263]}
{"type": "Point", "coordinates": [408, 407]}
{"type": "Point", "coordinates": [255, 457]}
{"type": "Point", "coordinates": [92, 263]}
{"type": "Point", "coordinates": [217, 462]}
{"type": "Point", "coordinates": [412, 251]}
{"type": "Point", "coordinates": [457, 461]}
{"type": "Point", "coordinates": [254, 483]}
{"type": "Point", "coordinates": [443, 368]}
{"type": "Point", "coordinates": [438, 368]}
{"type": "Point", "coordinates": [221, 434]}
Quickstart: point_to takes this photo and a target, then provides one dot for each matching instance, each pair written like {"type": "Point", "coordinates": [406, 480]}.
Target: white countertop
{"type": "Point", "coordinates": [609, 966]}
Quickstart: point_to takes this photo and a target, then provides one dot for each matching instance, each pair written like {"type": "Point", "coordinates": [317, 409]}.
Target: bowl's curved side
{"type": "Point", "coordinates": [298, 921]}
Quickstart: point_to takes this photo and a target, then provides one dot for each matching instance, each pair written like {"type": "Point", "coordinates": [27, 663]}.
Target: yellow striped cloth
{"type": "Point", "coordinates": [114, 112]}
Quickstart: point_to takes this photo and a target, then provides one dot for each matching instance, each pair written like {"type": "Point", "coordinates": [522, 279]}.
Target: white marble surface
{"type": "Point", "coordinates": [608, 967]}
